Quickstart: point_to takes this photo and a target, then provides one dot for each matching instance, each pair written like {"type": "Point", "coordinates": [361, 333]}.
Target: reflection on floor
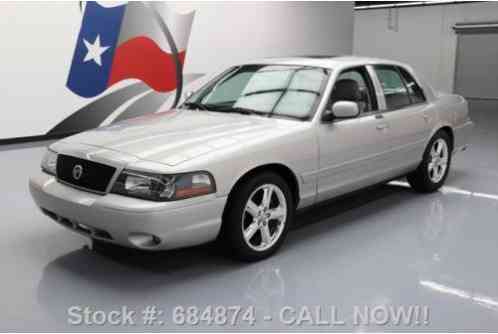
{"type": "Point", "coordinates": [383, 247]}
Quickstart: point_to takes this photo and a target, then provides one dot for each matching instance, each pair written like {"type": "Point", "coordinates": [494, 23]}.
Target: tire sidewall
{"type": "Point", "coordinates": [427, 159]}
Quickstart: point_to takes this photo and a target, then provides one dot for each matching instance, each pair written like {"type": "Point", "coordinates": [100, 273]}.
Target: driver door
{"type": "Point", "coordinates": [352, 150]}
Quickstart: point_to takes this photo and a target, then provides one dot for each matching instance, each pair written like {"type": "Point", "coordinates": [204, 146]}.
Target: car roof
{"type": "Point", "coordinates": [326, 61]}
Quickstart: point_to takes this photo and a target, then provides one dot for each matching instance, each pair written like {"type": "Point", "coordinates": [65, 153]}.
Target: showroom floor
{"type": "Point", "coordinates": [383, 247]}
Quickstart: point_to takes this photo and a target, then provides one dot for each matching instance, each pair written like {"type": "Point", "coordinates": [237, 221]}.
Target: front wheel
{"type": "Point", "coordinates": [433, 170]}
{"type": "Point", "coordinates": [258, 217]}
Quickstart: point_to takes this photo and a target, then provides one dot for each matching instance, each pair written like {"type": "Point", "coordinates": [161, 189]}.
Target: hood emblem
{"type": "Point", "coordinates": [77, 172]}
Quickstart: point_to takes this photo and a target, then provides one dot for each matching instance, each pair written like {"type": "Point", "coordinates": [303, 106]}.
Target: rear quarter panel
{"type": "Point", "coordinates": [452, 110]}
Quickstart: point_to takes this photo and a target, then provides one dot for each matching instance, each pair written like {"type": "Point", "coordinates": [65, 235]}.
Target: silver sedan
{"type": "Point", "coordinates": [243, 153]}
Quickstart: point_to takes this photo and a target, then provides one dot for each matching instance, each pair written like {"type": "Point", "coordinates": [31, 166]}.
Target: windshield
{"type": "Point", "coordinates": [270, 90]}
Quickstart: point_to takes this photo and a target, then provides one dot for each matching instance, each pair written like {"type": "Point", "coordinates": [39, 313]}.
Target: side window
{"type": "Point", "coordinates": [354, 85]}
{"type": "Point", "coordinates": [393, 87]}
{"type": "Point", "coordinates": [416, 93]}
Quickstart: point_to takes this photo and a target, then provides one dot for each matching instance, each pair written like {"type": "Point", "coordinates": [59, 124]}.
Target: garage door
{"type": "Point", "coordinates": [476, 70]}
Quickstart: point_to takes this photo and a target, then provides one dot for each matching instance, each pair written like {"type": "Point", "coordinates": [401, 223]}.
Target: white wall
{"type": "Point", "coordinates": [38, 39]}
{"type": "Point", "coordinates": [424, 37]}
{"type": "Point", "coordinates": [224, 34]}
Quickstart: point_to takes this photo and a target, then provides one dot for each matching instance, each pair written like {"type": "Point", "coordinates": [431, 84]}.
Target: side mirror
{"type": "Point", "coordinates": [342, 110]}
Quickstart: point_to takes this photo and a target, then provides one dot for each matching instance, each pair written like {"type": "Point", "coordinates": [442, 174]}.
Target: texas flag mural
{"type": "Point", "coordinates": [136, 40]}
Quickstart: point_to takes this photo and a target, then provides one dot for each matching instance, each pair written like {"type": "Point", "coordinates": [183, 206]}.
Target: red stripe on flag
{"type": "Point", "coordinates": [141, 58]}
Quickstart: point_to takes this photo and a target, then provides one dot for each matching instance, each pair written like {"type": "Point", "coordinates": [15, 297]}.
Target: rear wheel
{"type": "Point", "coordinates": [433, 170]}
{"type": "Point", "coordinates": [258, 217]}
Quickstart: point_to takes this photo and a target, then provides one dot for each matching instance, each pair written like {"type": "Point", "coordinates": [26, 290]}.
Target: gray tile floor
{"type": "Point", "coordinates": [386, 247]}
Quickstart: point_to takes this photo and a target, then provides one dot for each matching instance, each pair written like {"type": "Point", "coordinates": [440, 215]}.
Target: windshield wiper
{"type": "Point", "coordinates": [222, 108]}
{"type": "Point", "coordinates": [245, 111]}
{"type": "Point", "coordinates": [195, 105]}
{"type": "Point", "coordinates": [227, 108]}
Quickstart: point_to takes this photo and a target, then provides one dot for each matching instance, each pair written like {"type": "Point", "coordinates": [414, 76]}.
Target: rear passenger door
{"type": "Point", "coordinates": [407, 114]}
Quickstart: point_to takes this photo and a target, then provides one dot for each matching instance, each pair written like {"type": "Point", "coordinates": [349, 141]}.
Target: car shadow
{"type": "Point", "coordinates": [327, 210]}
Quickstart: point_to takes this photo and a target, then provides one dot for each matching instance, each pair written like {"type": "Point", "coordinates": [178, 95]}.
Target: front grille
{"type": "Point", "coordinates": [92, 175]}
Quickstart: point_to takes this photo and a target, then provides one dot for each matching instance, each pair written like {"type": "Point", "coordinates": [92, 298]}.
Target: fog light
{"type": "Point", "coordinates": [144, 240]}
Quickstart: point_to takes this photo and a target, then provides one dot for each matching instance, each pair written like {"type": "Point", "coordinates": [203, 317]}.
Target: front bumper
{"type": "Point", "coordinates": [128, 221]}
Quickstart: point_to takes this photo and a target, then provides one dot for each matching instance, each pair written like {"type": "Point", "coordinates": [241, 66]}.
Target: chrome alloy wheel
{"type": "Point", "coordinates": [264, 217]}
{"type": "Point", "coordinates": [438, 160]}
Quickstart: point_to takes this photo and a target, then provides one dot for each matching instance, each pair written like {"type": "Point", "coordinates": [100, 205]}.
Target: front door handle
{"type": "Point", "coordinates": [382, 126]}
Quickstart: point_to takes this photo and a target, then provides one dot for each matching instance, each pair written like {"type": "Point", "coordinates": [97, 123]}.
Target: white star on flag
{"type": "Point", "coordinates": [94, 51]}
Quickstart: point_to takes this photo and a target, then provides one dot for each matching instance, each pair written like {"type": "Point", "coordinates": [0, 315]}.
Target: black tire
{"type": "Point", "coordinates": [234, 218]}
{"type": "Point", "coordinates": [420, 179]}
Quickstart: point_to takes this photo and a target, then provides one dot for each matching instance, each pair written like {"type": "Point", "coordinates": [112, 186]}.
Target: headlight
{"type": "Point", "coordinates": [161, 188]}
{"type": "Point", "coordinates": [49, 162]}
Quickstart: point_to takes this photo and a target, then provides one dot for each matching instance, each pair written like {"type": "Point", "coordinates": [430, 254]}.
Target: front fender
{"type": "Point", "coordinates": [296, 151]}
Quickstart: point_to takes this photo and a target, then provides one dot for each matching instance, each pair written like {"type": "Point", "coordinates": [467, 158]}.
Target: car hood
{"type": "Point", "coordinates": [177, 136]}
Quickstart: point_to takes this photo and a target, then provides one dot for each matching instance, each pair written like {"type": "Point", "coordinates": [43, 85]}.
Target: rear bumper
{"type": "Point", "coordinates": [128, 221]}
{"type": "Point", "coordinates": [462, 135]}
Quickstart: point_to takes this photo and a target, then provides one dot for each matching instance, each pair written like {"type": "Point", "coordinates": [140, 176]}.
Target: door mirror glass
{"type": "Point", "coordinates": [341, 110]}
